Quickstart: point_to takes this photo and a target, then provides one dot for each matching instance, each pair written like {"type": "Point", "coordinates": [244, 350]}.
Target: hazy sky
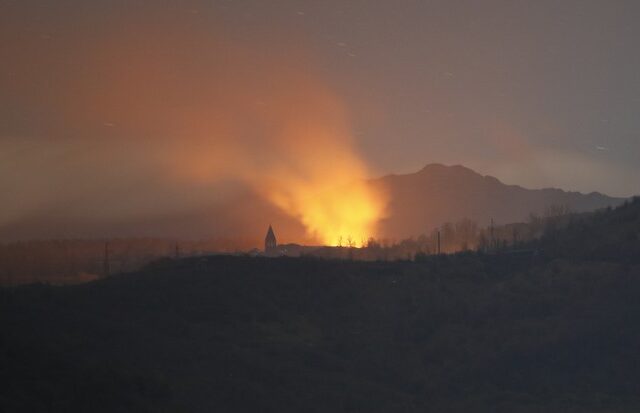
{"type": "Point", "coordinates": [540, 93]}
{"type": "Point", "coordinates": [536, 93]}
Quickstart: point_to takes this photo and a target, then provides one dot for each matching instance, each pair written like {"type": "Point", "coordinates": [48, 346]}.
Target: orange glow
{"type": "Point", "coordinates": [320, 180]}
{"type": "Point", "coordinates": [343, 216]}
{"type": "Point", "coordinates": [335, 205]}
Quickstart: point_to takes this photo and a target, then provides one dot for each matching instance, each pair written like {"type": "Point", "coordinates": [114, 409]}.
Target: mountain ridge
{"type": "Point", "coordinates": [438, 193]}
{"type": "Point", "coordinates": [428, 166]}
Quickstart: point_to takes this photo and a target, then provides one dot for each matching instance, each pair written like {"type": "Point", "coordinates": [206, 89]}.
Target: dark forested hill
{"type": "Point", "coordinates": [438, 194]}
{"type": "Point", "coordinates": [612, 235]}
{"type": "Point", "coordinates": [555, 331]}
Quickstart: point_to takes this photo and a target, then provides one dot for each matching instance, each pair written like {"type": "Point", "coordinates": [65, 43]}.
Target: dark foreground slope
{"type": "Point", "coordinates": [467, 333]}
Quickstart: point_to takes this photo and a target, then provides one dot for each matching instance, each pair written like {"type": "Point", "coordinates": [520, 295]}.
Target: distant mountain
{"type": "Point", "coordinates": [437, 194]}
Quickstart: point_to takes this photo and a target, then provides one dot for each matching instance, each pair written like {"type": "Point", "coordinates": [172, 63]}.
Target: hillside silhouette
{"type": "Point", "coordinates": [554, 331]}
{"type": "Point", "coordinates": [437, 194]}
{"type": "Point", "coordinates": [605, 235]}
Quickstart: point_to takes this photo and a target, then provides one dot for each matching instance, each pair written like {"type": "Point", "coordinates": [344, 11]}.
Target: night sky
{"type": "Point", "coordinates": [536, 93]}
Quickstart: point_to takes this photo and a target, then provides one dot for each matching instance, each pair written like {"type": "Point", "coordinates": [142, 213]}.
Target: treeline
{"type": "Point", "coordinates": [72, 261]}
{"type": "Point", "coordinates": [461, 236]}
{"type": "Point", "coordinates": [607, 235]}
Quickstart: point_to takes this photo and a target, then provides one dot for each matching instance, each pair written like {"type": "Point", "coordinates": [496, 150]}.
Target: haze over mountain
{"type": "Point", "coordinates": [418, 202]}
{"type": "Point", "coordinates": [437, 194]}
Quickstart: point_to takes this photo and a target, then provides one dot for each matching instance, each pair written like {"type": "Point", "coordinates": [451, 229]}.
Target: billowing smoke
{"type": "Point", "coordinates": [131, 121]}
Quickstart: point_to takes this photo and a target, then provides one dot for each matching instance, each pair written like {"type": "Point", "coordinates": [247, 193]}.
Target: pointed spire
{"type": "Point", "coordinates": [270, 241]}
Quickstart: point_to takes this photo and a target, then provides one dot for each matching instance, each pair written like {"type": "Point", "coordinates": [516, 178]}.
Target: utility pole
{"type": "Point", "coordinates": [492, 240]}
{"type": "Point", "coordinates": [177, 251]}
{"type": "Point", "coordinates": [438, 242]}
{"type": "Point", "coordinates": [106, 266]}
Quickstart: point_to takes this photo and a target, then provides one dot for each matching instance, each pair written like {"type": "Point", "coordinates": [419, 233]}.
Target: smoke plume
{"type": "Point", "coordinates": [130, 122]}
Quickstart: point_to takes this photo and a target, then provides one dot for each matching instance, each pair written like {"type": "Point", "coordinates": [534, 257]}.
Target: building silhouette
{"type": "Point", "coordinates": [270, 242]}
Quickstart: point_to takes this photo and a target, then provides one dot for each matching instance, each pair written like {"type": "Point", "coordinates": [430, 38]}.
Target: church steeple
{"type": "Point", "coordinates": [270, 242]}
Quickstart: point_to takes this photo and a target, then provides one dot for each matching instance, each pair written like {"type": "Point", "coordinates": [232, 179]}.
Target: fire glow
{"type": "Point", "coordinates": [336, 207]}
{"type": "Point", "coordinates": [170, 130]}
